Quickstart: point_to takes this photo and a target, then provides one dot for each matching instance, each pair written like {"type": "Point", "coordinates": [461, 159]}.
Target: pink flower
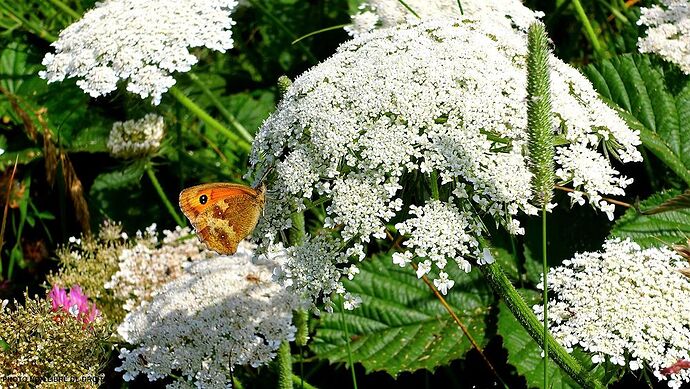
{"type": "Point", "coordinates": [75, 303]}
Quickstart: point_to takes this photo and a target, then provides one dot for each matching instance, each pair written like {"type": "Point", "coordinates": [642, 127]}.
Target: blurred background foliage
{"type": "Point", "coordinates": [66, 183]}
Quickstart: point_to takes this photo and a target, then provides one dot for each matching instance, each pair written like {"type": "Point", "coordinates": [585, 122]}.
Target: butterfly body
{"type": "Point", "coordinates": [223, 214]}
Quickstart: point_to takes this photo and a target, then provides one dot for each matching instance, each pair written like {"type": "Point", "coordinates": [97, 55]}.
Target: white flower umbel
{"type": "Point", "coordinates": [220, 313]}
{"type": "Point", "coordinates": [150, 263]}
{"type": "Point", "coordinates": [308, 269]}
{"type": "Point", "coordinates": [364, 133]}
{"type": "Point", "coordinates": [668, 32]}
{"type": "Point", "coordinates": [440, 231]}
{"type": "Point", "coordinates": [388, 13]}
{"type": "Point", "coordinates": [136, 138]}
{"type": "Point", "coordinates": [626, 304]}
{"type": "Point", "coordinates": [141, 41]}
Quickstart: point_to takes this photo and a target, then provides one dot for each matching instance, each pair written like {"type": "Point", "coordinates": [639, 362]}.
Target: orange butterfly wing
{"type": "Point", "coordinates": [222, 214]}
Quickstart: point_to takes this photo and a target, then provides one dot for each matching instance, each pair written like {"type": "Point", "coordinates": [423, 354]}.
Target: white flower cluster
{"type": "Point", "coordinates": [406, 105]}
{"type": "Point", "coordinates": [221, 312]}
{"type": "Point", "coordinates": [626, 304]}
{"type": "Point", "coordinates": [439, 231]}
{"type": "Point", "coordinates": [388, 13]}
{"type": "Point", "coordinates": [142, 41]}
{"type": "Point", "coordinates": [150, 263]}
{"type": "Point", "coordinates": [136, 138]}
{"type": "Point", "coordinates": [309, 269]}
{"type": "Point", "coordinates": [668, 32]}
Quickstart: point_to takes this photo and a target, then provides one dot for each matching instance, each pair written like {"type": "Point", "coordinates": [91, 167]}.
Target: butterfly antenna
{"type": "Point", "coordinates": [264, 175]}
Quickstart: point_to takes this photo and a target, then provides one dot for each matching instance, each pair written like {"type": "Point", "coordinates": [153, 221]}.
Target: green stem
{"type": "Point", "coordinates": [301, 321]}
{"type": "Point", "coordinates": [206, 118]}
{"type": "Point", "coordinates": [404, 4]}
{"type": "Point", "coordinates": [331, 28]}
{"type": "Point", "coordinates": [347, 346]}
{"type": "Point", "coordinates": [434, 185]}
{"type": "Point", "coordinates": [236, 384]}
{"type": "Point", "coordinates": [40, 32]}
{"type": "Point", "coordinates": [164, 198]}
{"type": "Point", "coordinates": [297, 231]}
{"type": "Point", "coordinates": [460, 6]}
{"type": "Point", "coordinates": [545, 269]}
{"type": "Point", "coordinates": [589, 31]}
{"type": "Point", "coordinates": [502, 286]}
{"type": "Point", "coordinates": [300, 381]}
{"type": "Point", "coordinates": [66, 9]}
{"type": "Point", "coordinates": [285, 375]}
{"type": "Point", "coordinates": [228, 116]}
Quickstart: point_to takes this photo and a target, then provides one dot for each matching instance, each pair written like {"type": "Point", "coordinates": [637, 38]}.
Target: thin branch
{"type": "Point", "coordinates": [608, 200]}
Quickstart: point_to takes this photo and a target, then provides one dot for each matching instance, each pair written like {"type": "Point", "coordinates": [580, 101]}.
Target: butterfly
{"type": "Point", "coordinates": [223, 214]}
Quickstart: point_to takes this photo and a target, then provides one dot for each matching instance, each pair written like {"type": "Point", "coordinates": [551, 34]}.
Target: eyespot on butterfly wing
{"type": "Point", "coordinates": [223, 214]}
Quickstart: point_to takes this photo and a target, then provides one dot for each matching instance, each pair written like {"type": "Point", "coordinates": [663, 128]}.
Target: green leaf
{"type": "Point", "coordinates": [4, 346]}
{"type": "Point", "coordinates": [644, 91]}
{"type": "Point", "coordinates": [401, 326]}
{"type": "Point", "coordinates": [533, 267]}
{"type": "Point", "coordinates": [525, 354]}
{"type": "Point", "coordinates": [17, 65]}
{"type": "Point", "coordinates": [507, 261]}
{"type": "Point", "coordinates": [654, 230]}
{"type": "Point", "coordinates": [251, 109]}
{"type": "Point", "coordinates": [22, 157]}
{"type": "Point", "coordinates": [675, 203]}
{"type": "Point", "coordinates": [91, 139]}
{"type": "Point", "coordinates": [126, 177]}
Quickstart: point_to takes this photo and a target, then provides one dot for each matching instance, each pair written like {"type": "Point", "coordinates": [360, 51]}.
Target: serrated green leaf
{"type": "Point", "coordinates": [675, 203]}
{"type": "Point", "coordinates": [654, 230]}
{"type": "Point", "coordinates": [401, 326]}
{"type": "Point", "coordinates": [640, 88]}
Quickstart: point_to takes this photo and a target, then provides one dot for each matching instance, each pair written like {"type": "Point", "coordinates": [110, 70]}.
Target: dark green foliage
{"type": "Point", "coordinates": [653, 99]}
{"type": "Point", "coordinates": [401, 326]}
{"type": "Point", "coordinates": [672, 226]}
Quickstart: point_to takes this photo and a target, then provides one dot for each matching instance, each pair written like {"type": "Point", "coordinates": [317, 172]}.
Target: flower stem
{"type": "Point", "coordinates": [589, 31]}
{"type": "Point", "coordinates": [545, 269]}
{"type": "Point", "coordinates": [228, 116]}
{"type": "Point", "coordinates": [331, 28]}
{"type": "Point", "coordinates": [404, 4]}
{"type": "Point", "coordinates": [300, 317]}
{"type": "Point", "coordinates": [434, 185]}
{"type": "Point", "coordinates": [285, 376]}
{"type": "Point", "coordinates": [34, 28]}
{"type": "Point", "coordinates": [164, 198]}
{"type": "Point", "coordinates": [300, 381]}
{"type": "Point", "coordinates": [502, 286]}
{"type": "Point", "coordinates": [347, 346]}
{"type": "Point", "coordinates": [206, 118]}
{"type": "Point", "coordinates": [4, 213]}
{"type": "Point", "coordinates": [66, 9]}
